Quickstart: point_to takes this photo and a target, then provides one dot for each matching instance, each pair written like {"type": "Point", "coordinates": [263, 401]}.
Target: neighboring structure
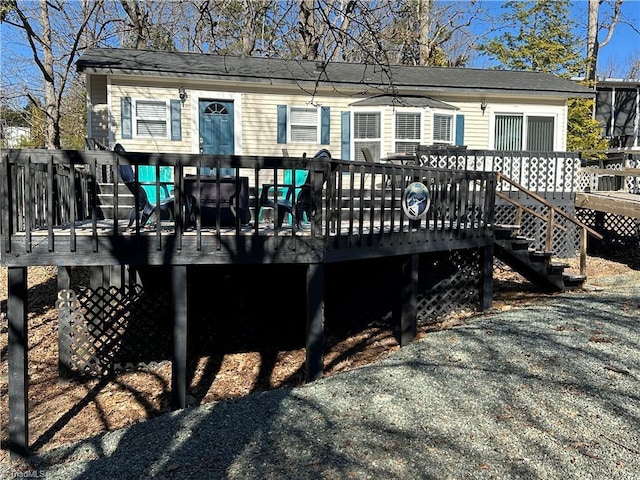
{"type": "Point", "coordinates": [12, 137]}
{"type": "Point", "coordinates": [185, 102]}
{"type": "Point", "coordinates": [618, 109]}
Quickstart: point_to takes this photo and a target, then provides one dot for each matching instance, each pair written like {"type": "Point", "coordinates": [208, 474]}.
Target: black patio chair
{"type": "Point", "coordinates": [142, 208]}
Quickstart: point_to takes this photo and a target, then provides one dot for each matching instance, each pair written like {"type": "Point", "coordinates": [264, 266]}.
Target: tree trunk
{"type": "Point", "coordinates": [592, 40]}
{"type": "Point", "coordinates": [51, 105]}
{"type": "Point", "coordinates": [139, 20]}
{"type": "Point", "coordinates": [424, 14]}
{"type": "Point", "coordinates": [306, 19]}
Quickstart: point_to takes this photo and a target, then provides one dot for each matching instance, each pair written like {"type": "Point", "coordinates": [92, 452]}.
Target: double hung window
{"type": "Point", "coordinates": [367, 133]}
{"type": "Point", "coordinates": [303, 125]}
{"type": "Point", "coordinates": [407, 131]}
{"type": "Point", "coordinates": [443, 128]}
{"type": "Point", "coordinates": [151, 118]}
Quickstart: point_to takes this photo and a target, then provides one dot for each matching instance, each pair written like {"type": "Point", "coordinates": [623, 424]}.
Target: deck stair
{"type": "Point", "coordinates": [105, 200]}
{"type": "Point", "coordinates": [535, 265]}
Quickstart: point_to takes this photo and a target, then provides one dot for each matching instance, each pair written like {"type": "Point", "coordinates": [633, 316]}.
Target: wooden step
{"type": "Point", "coordinates": [572, 281]}
{"type": "Point", "coordinates": [503, 232]}
{"type": "Point", "coordinates": [539, 255]}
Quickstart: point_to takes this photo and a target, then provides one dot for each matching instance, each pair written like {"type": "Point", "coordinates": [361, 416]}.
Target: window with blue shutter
{"type": "Point", "coordinates": [176, 120]}
{"type": "Point", "coordinates": [325, 125]}
{"type": "Point", "coordinates": [125, 117]}
{"type": "Point", "coordinates": [282, 124]}
{"type": "Point", "coordinates": [460, 130]}
{"type": "Point", "coordinates": [345, 135]}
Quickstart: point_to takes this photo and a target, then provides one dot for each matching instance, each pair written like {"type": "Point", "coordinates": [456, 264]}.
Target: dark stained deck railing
{"type": "Point", "coordinates": [53, 211]}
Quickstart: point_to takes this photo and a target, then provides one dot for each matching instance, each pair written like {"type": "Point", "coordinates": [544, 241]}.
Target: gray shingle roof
{"type": "Point", "coordinates": [349, 76]}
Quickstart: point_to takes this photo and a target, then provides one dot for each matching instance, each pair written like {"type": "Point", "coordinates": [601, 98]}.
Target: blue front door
{"type": "Point", "coordinates": [216, 130]}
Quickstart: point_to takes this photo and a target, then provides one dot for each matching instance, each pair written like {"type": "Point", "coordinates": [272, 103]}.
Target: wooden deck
{"type": "Point", "coordinates": [614, 190]}
{"type": "Point", "coordinates": [53, 212]}
{"type": "Point", "coordinates": [618, 203]}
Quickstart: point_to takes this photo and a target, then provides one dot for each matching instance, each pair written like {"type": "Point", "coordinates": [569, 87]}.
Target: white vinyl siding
{"type": "Point", "coordinates": [407, 131]}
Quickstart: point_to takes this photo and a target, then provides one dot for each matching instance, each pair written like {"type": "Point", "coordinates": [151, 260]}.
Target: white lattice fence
{"type": "Point", "coordinates": [550, 172]}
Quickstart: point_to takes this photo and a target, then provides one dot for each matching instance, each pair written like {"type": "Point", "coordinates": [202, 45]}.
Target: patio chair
{"type": "Point", "coordinates": [303, 207]}
{"type": "Point", "coordinates": [142, 208]}
{"type": "Point", "coordinates": [289, 180]}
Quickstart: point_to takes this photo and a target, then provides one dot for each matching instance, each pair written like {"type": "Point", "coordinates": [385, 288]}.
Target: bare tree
{"type": "Point", "coordinates": [140, 22]}
{"type": "Point", "coordinates": [54, 31]}
{"type": "Point", "coordinates": [594, 26]}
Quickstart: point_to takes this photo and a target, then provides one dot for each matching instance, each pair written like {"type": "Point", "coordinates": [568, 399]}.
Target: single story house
{"type": "Point", "coordinates": [188, 103]}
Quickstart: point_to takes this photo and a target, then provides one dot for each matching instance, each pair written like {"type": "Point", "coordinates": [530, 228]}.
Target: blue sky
{"type": "Point", "coordinates": [615, 58]}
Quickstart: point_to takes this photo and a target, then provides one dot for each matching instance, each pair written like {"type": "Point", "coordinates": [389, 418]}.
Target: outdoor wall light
{"type": "Point", "coordinates": [483, 105]}
{"type": "Point", "coordinates": [182, 93]}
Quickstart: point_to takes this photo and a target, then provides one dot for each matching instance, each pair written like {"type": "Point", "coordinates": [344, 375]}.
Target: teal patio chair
{"type": "Point", "coordinates": [290, 180]}
{"type": "Point", "coordinates": [303, 206]}
{"type": "Point", "coordinates": [147, 178]}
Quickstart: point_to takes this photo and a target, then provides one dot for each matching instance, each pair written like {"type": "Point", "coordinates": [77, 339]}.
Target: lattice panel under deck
{"type": "Point", "coordinates": [448, 282]}
{"type": "Point", "coordinates": [107, 330]}
{"type": "Point", "coordinates": [617, 230]}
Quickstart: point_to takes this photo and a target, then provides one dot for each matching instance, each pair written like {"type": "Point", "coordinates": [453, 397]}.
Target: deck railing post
{"type": "Point", "coordinates": [583, 251]}
{"type": "Point", "coordinates": [550, 227]}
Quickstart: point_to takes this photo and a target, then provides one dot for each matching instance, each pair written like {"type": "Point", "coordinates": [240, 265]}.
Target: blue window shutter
{"type": "Point", "coordinates": [345, 135]}
{"type": "Point", "coordinates": [325, 125]}
{"type": "Point", "coordinates": [282, 124]}
{"type": "Point", "coordinates": [176, 120]}
{"type": "Point", "coordinates": [125, 117]}
{"type": "Point", "coordinates": [459, 130]}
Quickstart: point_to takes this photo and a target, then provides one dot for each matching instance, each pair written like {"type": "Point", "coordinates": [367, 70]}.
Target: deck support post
{"type": "Point", "coordinates": [97, 277]}
{"type": "Point", "coordinates": [64, 278]}
{"type": "Point", "coordinates": [486, 280]}
{"type": "Point", "coordinates": [408, 296]}
{"type": "Point", "coordinates": [315, 322]}
{"type": "Point", "coordinates": [64, 283]}
{"type": "Point", "coordinates": [18, 353]}
{"type": "Point", "coordinates": [180, 321]}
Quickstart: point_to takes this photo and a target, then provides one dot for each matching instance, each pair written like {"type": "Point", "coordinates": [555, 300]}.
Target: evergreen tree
{"type": "Point", "coordinates": [539, 38]}
{"type": "Point", "coordinates": [584, 133]}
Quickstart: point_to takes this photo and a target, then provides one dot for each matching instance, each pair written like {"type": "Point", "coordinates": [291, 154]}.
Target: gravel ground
{"type": "Point", "coordinates": [545, 391]}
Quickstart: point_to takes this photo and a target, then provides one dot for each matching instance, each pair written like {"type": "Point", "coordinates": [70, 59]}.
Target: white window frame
{"type": "Point", "coordinates": [420, 139]}
{"type": "Point", "coordinates": [452, 117]}
{"type": "Point", "coordinates": [291, 124]}
{"type": "Point", "coordinates": [356, 151]}
{"type": "Point", "coordinates": [525, 113]}
{"type": "Point", "coordinates": [136, 118]}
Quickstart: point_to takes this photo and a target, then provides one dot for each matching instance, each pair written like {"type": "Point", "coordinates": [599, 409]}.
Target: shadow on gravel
{"type": "Point", "coordinates": [546, 391]}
